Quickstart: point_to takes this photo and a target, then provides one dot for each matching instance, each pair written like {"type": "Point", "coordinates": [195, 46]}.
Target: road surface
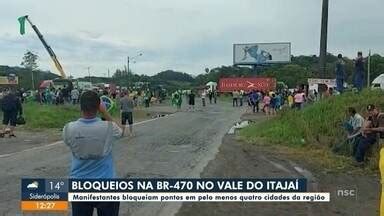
{"type": "Point", "coordinates": [179, 145]}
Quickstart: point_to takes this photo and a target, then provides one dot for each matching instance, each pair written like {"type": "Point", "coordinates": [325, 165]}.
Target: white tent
{"type": "Point", "coordinates": [212, 85]}
{"type": "Point", "coordinates": [378, 82]}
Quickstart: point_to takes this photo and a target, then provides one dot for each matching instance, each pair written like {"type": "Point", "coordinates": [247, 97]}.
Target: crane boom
{"type": "Point", "coordinates": [48, 48]}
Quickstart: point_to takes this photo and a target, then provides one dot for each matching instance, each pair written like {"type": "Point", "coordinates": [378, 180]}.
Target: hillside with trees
{"type": "Point", "coordinates": [25, 76]}
{"type": "Point", "coordinates": [297, 72]}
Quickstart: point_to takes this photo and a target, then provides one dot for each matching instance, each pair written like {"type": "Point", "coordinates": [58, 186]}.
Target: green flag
{"type": "Point", "coordinates": [22, 24]}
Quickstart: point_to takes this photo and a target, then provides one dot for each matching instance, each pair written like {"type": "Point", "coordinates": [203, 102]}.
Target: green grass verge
{"type": "Point", "coordinates": [318, 126]}
{"type": "Point", "coordinates": [40, 117]}
{"type": "Point", "coordinates": [49, 116]}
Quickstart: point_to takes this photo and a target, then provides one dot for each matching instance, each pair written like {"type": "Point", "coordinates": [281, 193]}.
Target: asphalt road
{"type": "Point", "coordinates": [179, 145]}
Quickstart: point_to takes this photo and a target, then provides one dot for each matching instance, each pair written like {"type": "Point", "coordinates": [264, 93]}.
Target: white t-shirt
{"type": "Point", "coordinates": [204, 94]}
{"type": "Point", "coordinates": [357, 121]}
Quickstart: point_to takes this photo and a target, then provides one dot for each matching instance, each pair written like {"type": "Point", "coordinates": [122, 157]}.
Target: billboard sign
{"type": "Point", "coordinates": [247, 84]}
{"type": "Point", "coordinates": [261, 53]}
{"type": "Point", "coordinates": [328, 82]}
{"type": "Point", "coordinates": [9, 80]}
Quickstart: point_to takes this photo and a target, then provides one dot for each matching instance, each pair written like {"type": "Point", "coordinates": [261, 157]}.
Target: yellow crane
{"type": "Point", "coordinates": [46, 46]}
{"type": "Point", "coordinates": [62, 82]}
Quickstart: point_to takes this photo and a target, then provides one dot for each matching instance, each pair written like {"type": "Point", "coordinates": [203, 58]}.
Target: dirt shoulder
{"type": "Point", "coordinates": [239, 159]}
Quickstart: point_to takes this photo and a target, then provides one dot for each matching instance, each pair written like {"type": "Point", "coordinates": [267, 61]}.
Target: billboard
{"type": "Point", "coordinates": [328, 82]}
{"type": "Point", "coordinates": [261, 53]}
{"type": "Point", "coordinates": [247, 84]}
{"type": "Point", "coordinates": [9, 80]}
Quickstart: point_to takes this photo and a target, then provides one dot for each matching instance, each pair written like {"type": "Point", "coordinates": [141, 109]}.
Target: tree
{"type": "Point", "coordinates": [30, 63]}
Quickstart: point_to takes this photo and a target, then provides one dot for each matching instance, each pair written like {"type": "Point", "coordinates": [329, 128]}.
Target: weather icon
{"type": "Point", "coordinates": [33, 185]}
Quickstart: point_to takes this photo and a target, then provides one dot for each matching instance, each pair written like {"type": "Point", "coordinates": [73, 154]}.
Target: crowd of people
{"type": "Point", "coordinates": [58, 96]}
{"type": "Point", "coordinates": [271, 102]}
{"type": "Point", "coordinates": [190, 96]}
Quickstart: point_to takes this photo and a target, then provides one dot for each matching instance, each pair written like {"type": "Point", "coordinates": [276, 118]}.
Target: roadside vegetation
{"type": "Point", "coordinates": [40, 117]}
{"type": "Point", "coordinates": [313, 131]}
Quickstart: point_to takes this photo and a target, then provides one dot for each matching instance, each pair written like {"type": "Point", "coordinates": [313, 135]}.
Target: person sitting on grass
{"type": "Point", "coordinates": [373, 125]}
{"type": "Point", "coordinates": [353, 126]}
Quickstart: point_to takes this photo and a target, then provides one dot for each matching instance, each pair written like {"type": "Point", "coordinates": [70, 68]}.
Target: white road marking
{"type": "Point", "coordinates": [61, 142]}
{"type": "Point", "coordinates": [32, 149]}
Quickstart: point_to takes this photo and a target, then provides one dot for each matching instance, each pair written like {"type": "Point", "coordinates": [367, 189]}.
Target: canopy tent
{"type": "Point", "coordinates": [212, 85]}
{"type": "Point", "coordinates": [378, 82]}
{"type": "Point", "coordinates": [46, 84]}
{"type": "Point", "coordinates": [379, 79]}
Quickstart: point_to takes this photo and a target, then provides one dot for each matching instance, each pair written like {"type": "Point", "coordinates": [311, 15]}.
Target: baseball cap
{"type": "Point", "coordinates": [371, 107]}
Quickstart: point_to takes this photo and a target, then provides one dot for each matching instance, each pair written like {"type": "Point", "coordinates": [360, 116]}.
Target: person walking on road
{"type": "Point", "coordinates": [11, 107]}
{"type": "Point", "coordinates": [126, 106]}
{"type": "Point", "coordinates": [90, 141]}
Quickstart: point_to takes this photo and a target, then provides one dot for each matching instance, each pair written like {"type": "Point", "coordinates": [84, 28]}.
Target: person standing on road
{"type": "Point", "coordinates": [75, 96]}
{"type": "Point", "coordinates": [266, 103]}
{"type": "Point", "coordinates": [191, 101]}
{"type": "Point", "coordinates": [272, 105]}
{"type": "Point", "coordinates": [203, 96]}
{"type": "Point", "coordinates": [255, 100]}
{"type": "Point", "coordinates": [290, 100]}
{"type": "Point", "coordinates": [240, 97]}
{"type": "Point", "coordinates": [126, 106]}
{"type": "Point", "coordinates": [279, 102]}
{"type": "Point", "coordinates": [90, 141]}
{"type": "Point", "coordinates": [11, 107]}
{"type": "Point", "coordinates": [215, 96]}
{"type": "Point", "coordinates": [235, 95]}
{"type": "Point", "coordinates": [210, 95]}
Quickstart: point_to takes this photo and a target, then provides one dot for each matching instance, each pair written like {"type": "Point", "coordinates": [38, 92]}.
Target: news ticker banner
{"type": "Point", "coordinates": [54, 194]}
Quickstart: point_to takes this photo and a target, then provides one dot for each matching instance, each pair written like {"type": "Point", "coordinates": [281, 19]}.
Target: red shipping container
{"type": "Point", "coordinates": [247, 84]}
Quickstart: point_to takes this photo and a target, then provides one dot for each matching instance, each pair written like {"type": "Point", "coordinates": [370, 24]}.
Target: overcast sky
{"type": "Point", "coordinates": [183, 35]}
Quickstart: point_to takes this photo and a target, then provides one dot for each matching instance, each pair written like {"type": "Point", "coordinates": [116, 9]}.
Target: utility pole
{"type": "Point", "coordinates": [89, 74]}
{"type": "Point", "coordinates": [33, 79]}
{"type": "Point", "coordinates": [369, 70]}
{"type": "Point", "coordinates": [127, 65]}
{"type": "Point", "coordinates": [128, 58]}
{"type": "Point", "coordinates": [108, 73]}
{"type": "Point", "coordinates": [323, 39]}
